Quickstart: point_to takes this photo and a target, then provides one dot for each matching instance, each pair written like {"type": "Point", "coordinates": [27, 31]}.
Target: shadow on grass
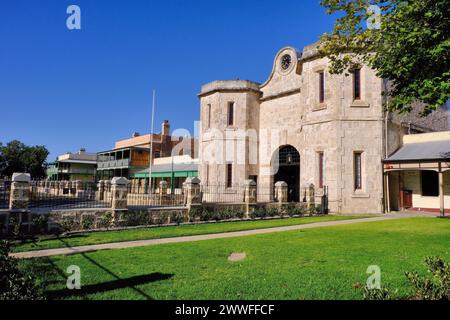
{"type": "Point", "coordinates": [119, 283]}
{"type": "Point", "coordinates": [110, 285]}
{"type": "Point", "coordinates": [36, 241]}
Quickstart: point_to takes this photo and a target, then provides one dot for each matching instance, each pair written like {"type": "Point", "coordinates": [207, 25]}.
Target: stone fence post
{"type": "Point", "coordinates": [107, 194]}
{"type": "Point", "coordinates": [250, 197]}
{"type": "Point", "coordinates": [119, 195]}
{"type": "Point", "coordinates": [192, 195]}
{"type": "Point", "coordinates": [281, 192]}
{"type": "Point", "coordinates": [56, 192]}
{"type": "Point", "coordinates": [119, 190]}
{"type": "Point", "coordinates": [20, 191]}
{"type": "Point", "coordinates": [310, 198]}
{"type": "Point", "coordinates": [100, 190]}
{"type": "Point", "coordinates": [163, 186]}
{"type": "Point", "coordinates": [79, 185]}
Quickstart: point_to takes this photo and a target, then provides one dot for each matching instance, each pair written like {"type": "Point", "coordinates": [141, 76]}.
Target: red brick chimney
{"type": "Point", "coordinates": [165, 131]}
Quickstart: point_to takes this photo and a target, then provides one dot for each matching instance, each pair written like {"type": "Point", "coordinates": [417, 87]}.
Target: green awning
{"type": "Point", "coordinates": [176, 174]}
{"type": "Point", "coordinates": [176, 170]}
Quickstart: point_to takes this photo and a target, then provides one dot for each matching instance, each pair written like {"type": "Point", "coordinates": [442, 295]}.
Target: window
{"type": "Point", "coordinates": [321, 167]}
{"type": "Point", "coordinates": [357, 84]}
{"type": "Point", "coordinates": [207, 174]}
{"type": "Point", "coordinates": [208, 123]}
{"type": "Point", "coordinates": [430, 183]}
{"type": "Point", "coordinates": [229, 175]}
{"type": "Point", "coordinates": [230, 113]}
{"type": "Point", "coordinates": [357, 159]}
{"type": "Point", "coordinates": [321, 87]}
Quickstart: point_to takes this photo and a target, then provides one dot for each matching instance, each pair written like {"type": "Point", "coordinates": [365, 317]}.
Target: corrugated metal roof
{"type": "Point", "coordinates": [433, 150]}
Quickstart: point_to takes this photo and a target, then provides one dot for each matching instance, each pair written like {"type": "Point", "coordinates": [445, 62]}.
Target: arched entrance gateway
{"type": "Point", "coordinates": [288, 170]}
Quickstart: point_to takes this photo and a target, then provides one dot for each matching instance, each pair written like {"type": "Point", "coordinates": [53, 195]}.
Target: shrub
{"type": "Point", "coordinates": [176, 217]}
{"type": "Point", "coordinates": [69, 223]}
{"type": "Point", "coordinates": [228, 213]}
{"type": "Point", "coordinates": [436, 287]}
{"type": "Point", "coordinates": [259, 212]}
{"type": "Point", "coordinates": [15, 227]}
{"type": "Point", "coordinates": [136, 218]}
{"type": "Point", "coordinates": [160, 219]}
{"type": "Point", "coordinates": [40, 222]}
{"type": "Point", "coordinates": [377, 294]}
{"type": "Point", "coordinates": [296, 209]}
{"type": "Point", "coordinates": [87, 221]}
{"type": "Point", "coordinates": [14, 284]}
{"type": "Point", "coordinates": [200, 213]}
{"type": "Point", "coordinates": [274, 212]}
{"type": "Point", "coordinates": [105, 220]}
{"type": "Point", "coordinates": [315, 210]}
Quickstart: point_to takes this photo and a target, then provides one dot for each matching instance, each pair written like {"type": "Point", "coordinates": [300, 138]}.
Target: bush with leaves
{"type": "Point", "coordinates": [176, 217]}
{"type": "Point", "coordinates": [69, 223]}
{"type": "Point", "coordinates": [259, 212]}
{"type": "Point", "coordinates": [39, 223]}
{"type": "Point", "coordinates": [296, 210]}
{"type": "Point", "coordinates": [14, 284]}
{"type": "Point", "coordinates": [138, 218]}
{"type": "Point", "coordinates": [377, 294]}
{"type": "Point", "coordinates": [105, 220]}
{"type": "Point", "coordinates": [435, 287]}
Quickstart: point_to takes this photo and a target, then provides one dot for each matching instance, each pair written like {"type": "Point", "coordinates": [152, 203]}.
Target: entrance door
{"type": "Point", "coordinates": [289, 171]}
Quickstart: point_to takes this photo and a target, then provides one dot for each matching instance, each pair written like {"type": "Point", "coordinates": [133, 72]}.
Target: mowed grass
{"type": "Point", "coordinates": [319, 263]}
{"type": "Point", "coordinates": [165, 232]}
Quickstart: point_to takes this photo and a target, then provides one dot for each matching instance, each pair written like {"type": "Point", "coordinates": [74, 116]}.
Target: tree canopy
{"type": "Point", "coordinates": [17, 157]}
{"type": "Point", "coordinates": [406, 42]}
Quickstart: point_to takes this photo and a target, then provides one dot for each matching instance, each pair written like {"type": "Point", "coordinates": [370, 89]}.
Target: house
{"type": "Point", "coordinates": [73, 166]}
{"type": "Point", "coordinates": [417, 176]}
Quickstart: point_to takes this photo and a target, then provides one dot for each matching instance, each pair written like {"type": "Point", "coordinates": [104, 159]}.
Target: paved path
{"type": "Point", "coordinates": [152, 242]}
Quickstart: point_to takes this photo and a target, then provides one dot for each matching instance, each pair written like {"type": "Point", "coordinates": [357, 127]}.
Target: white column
{"type": "Point", "coordinates": [441, 190]}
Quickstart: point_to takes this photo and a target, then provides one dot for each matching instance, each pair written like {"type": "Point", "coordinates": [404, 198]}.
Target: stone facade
{"type": "Point", "coordinates": [286, 111]}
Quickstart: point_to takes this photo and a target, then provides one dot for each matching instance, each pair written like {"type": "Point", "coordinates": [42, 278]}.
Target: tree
{"type": "Point", "coordinates": [408, 42]}
{"type": "Point", "coordinates": [17, 157]}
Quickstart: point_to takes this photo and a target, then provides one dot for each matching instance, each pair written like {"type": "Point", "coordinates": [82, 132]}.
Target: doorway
{"type": "Point", "coordinates": [288, 159]}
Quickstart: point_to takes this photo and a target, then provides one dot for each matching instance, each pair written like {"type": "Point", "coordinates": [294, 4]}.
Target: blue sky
{"type": "Point", "coordinates": [87, 88]}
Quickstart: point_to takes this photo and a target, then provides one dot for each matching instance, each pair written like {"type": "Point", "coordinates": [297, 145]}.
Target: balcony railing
{"type": "Point", "coordinates": [113, 164]}
{"type": "Point", "coordinates": [71, 171]}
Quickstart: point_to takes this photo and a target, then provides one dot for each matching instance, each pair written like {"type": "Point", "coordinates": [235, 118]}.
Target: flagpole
{"type": "Point", "coordinates": [151, 144]}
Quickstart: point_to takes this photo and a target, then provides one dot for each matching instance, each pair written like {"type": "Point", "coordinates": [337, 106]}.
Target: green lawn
{"type": "Point", "coordinates": [319, 263]}
{"type": "Point", "coordinates": [166, 232]}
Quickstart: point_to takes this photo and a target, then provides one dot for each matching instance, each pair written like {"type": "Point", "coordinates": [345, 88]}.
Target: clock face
{"type": "Point", "coordinates": [286, 61]}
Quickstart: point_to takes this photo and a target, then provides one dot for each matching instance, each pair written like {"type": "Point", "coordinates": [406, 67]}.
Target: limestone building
{"type": "Point", "coordinates": [304, 126]}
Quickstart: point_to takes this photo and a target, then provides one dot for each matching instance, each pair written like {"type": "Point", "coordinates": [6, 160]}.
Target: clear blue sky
{"type": "Point", "coordinates": [87, 88]}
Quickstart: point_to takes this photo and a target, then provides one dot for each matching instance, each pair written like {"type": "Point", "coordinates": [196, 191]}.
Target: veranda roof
{"type": "Point", "coordinates": [422, 151]}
